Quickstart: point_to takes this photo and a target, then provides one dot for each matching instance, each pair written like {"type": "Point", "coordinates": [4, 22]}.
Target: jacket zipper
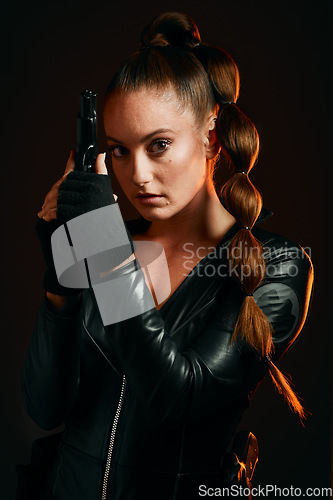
{"type": "Point", "coordinates": [112, 438]}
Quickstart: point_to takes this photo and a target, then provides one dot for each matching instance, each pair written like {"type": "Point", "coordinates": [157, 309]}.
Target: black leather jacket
{"type": "Point", "coordinates": [150, 404]}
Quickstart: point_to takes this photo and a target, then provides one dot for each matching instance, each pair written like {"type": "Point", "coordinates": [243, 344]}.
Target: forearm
{"type": "Point", "coordinates": [50, 375]}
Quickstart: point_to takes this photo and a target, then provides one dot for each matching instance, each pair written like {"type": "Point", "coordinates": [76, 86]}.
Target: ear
{"type": "Point", "coordinates": [212, 143]}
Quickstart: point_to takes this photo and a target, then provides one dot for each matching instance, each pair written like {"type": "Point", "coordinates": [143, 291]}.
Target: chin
{"type": "Point", "coordinates": [155, 214]}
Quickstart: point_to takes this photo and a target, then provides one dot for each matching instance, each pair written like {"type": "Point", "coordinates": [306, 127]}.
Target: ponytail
{"type": "Point", "coordinates": [283, 386]}
{"type": "Point", "coordinates": [239, 141]}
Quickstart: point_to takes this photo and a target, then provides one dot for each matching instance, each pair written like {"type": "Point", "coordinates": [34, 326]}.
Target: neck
{"type": "Point", "coordinates": [203, 219]}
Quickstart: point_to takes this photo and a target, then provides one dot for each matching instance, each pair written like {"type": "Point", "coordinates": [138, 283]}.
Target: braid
{"type": "Point", "coordinates": [240, 144]}
{"type": "Point", "coordinates": [239, 141]}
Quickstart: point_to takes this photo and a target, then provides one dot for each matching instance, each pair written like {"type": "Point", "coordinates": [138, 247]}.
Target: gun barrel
{"type": "Point", "coordinates": [86, 132]}
{"type": "Point", "coordinates": [87, 104]}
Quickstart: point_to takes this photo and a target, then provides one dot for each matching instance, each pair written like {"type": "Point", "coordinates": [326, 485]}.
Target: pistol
{"type": "Point", "coordinates": [86, 132]}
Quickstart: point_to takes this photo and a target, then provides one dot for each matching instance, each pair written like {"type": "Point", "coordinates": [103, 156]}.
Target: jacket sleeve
{"type": "Point", "coordinates": [50, 375]}
{"type": "Point", "coordinates": [176, 386]}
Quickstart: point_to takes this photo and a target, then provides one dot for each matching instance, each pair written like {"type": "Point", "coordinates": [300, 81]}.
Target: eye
{"type": "Point", "coordinates": [118, 151]}
{"type": "Point", "coordinates": [159, 146]}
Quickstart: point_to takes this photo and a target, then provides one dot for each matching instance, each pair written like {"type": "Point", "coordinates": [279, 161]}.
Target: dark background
{"type": "Point", "coordinates": [52, 51]}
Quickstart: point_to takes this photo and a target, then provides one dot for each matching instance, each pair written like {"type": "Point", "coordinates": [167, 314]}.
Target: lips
{"type": "Point", "coordinates": [149, 199]}
{"type": "Point", "coordinates": [146, 195]}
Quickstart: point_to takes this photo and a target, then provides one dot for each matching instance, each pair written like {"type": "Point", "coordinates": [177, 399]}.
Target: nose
{"type": "Point", "coordinates": [142, 172]}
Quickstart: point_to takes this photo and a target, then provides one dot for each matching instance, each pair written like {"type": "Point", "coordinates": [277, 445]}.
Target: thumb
{"type": "Point", "coordinates": [70, 165]}
{"type": "Point", "coordinates": [100, 167]}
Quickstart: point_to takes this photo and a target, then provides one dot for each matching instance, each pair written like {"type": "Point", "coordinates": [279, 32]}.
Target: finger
{"type": "Point", "coordinates": [51, 200]}
{"type": "Point", "coordinates": [45, 209]}
{"type": "Point", "coordinates": [70, 163]}
{"type": "Point", "coordinates": [55, 188]}
{"type": "Point", "coordinates": [100, 167]}
{"type": "Point", "coordinates": [50, 215]}
{"type": "Point", "coordinates": [52, 195]}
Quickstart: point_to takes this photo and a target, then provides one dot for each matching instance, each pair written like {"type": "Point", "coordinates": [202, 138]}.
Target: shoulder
{"type": "Point", "coordinates": [285, 292]}
{"type": "Point", "coordinates": [283, 256]}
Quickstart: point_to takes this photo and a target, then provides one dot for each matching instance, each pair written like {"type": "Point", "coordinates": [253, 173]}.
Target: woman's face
{"type": "Point", "coordinates": [158, 156]}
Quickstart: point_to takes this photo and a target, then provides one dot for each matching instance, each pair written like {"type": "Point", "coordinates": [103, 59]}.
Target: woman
{"type": "Point", "coordinates": [150, 403]}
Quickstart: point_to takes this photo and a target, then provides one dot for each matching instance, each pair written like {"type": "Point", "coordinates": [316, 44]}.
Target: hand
{"type": "Point", "coordinates": [49, 220]}
{"type": "Point", "coordinates": [83, 193]}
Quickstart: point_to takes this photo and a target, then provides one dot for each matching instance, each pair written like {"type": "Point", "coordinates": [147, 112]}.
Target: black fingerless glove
{"type": "Point", "coordinates": [44, 232]}
{"type": "Point", "coordinates": [82, 192]}
{"type": "Point", "coordinates": [79, 193]}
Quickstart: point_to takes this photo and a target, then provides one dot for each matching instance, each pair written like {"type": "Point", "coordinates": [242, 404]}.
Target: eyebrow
{"type": "Point", "coordinates": [145, 138]}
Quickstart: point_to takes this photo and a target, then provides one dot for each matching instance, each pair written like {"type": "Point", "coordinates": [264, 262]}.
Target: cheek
{"type": "Point", "coordinates": [190, 164]}
{"type": "Point", "coordinates": [187, 158]}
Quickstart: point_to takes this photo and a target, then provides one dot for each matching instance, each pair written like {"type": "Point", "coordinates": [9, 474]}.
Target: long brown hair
{"type": "Point", "coordinates": [205, 78]}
